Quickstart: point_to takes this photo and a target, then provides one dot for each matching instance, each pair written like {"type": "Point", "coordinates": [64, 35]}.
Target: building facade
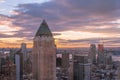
{"type": "Point", "coordinates": [81, 68]}
{"type": "Point", "coordinates": [19, 65]}
{"type": "Point", "coordinates": [101, 54]}
{"type": "Point", "coordinates": [65, 61]}
{"type": "Point", "coordinates": [24, 51]}
{"type": "Point", "coordinates": [92, 53]}
{"type": "Point", "coordinates": [44, 54]}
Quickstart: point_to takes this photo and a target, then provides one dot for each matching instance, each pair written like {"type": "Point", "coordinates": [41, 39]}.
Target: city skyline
{"type": "Point", "coordinates": [74, 24]}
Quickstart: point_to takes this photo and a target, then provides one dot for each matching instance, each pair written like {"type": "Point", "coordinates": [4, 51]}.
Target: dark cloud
{"type": "Point", "coordinates": [18, 34]}
{"type": "Point", "coordinates": [5, 35]}
{"type": "Point", "coordinates": [68, 14]}
{"type": "Point", "coordinates": [55, 34]}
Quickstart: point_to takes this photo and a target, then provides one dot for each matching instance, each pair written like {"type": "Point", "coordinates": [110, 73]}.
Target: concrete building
{"type": "Point", "coordinates": [81, 68]}
{"type": "Point", "coordinates": [12, 55]}
{"type": "Point", "coordinates": [19, 65]}
{"type": "Point", "coordinates": [44, 54]}
{"type": "Point", "coordinates": [8, 71]}
{"type": "Point", "coordinates": [108, 58]}
{"type": "Point", "coordinates": [118, 71]}
{"type": "Point", "coordinates": [25, 57]}
{"type": "Point", "coordinates": [93, 53]}
{"type": "Point", "coordinates": [0, 64]}
{"type": "Point", "coordinates": [70, 69]}
{"type": "Point", "coordinates": [24, 51]}
{"type": "Point", "coordinates": [101, 54]}
{"type": "Point", "coordinates": [65, 61]}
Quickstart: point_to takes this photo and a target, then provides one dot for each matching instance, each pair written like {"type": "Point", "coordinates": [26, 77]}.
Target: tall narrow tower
{"type": "Point", "coordinates": [92, 53]}
{"type": "Point", "coordinates": [101, 54]}
{"type": "Point", "coordinates": [24, 51]}
{"type": "Point", "coordinates": [44, 54]}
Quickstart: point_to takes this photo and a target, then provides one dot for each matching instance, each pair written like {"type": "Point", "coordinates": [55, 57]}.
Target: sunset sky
{"type": "Point", "coordinates": [74, 23]}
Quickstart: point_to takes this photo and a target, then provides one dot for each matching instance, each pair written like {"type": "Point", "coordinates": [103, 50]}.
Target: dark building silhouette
{"type": "Point", "coordinates": [81, 68]}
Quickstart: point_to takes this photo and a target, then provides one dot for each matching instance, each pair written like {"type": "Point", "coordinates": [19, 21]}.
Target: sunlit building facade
{"type": "Point", "coordinates": [44, 54]}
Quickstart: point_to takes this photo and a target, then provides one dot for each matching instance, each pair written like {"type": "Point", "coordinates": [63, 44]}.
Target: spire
{"type": "Point", "coordinates": [43, 30]}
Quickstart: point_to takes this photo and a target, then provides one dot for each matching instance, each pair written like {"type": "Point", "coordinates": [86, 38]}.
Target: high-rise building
{"type": "Point", "coordinates": [119, 71]}
{"type": "Point", "coordinates": [101, 54]}
{"type": "Point", "coordinates": [65, 64]}
{"type": "Point", "coordinates": [108, 58]}
{"type": "Point", "coordinates": [65, 61]}
{"type": "Point", "coordinates": [12, 55]}
{"type": "Point", "coordinates": [92, 53]}
{"type": "Point", "coordinates": [0, 64]}
{"type": "Point", "coordinates": [44, 54]}
{"type": "Point", "coordinates": [8, 70]}
{"type": "Point", "coordinates": [19, 65]}
{"type": "Point", "coordinates": [70, 69]}
{"type": "Point", "coordinates": [25, 57]}
{"type": "Point", "coordinates": [81, 68]}
{"type": "Point", "coordinates": [24, 51]}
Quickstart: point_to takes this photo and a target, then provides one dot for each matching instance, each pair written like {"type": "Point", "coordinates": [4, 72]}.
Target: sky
{"type": "Point", "coordinates": [74, 23]}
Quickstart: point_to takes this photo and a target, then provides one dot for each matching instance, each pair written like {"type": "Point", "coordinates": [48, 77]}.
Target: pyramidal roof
{"type": "Point", "coordinates": [43, 30]}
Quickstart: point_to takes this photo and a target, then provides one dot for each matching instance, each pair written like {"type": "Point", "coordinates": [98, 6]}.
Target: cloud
{"type": "Point", "coordinates": [2, 0]}
{"type": "Point", "coordinates": [94, 16]}
{"type": "Point", "coordinates": [7, 29]}
{"type": "Point", "coordinates": [69, 15]}
{"type": "Point", "coordinates": [12, 35]}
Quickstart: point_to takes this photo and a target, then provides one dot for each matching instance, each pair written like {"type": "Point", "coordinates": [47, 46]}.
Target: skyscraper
{"type": "Point", "coordinates": [101, 54]}
{"type": "Point", "coordinates": [65, 61]}
{"type": "Point", "coordinates": [65, 64]}
{"type": "Point", "coordinates": [70, 69]}
{"type": "Point", "coordinates": [24, 51]}
{"type": "Point", "coordinates": [25, 57]}
{"type": "Point", "coordinates": [44, 54]}
{"type": "Point", "coordinates": [108, 58]}
{"type": "Point", "coordinates": [19, 65]}
{"type": "Point", "coordinates": [0, 64]}
{"type": "Point", "coordinates": [92, 53]}
{"type": "Point", "coordinates": [81, 67]}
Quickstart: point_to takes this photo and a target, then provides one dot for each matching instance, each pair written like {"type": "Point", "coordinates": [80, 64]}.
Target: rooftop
{"type": "Point", "coordinates": [43, 30]}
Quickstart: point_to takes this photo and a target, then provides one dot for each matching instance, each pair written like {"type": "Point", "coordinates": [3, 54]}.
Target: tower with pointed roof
{"type": "Point", "coordinates": [44, 54]}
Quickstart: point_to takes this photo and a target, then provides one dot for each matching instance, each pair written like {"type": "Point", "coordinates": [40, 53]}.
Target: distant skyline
{"type": "Point", "coordinates": [73, 23]}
